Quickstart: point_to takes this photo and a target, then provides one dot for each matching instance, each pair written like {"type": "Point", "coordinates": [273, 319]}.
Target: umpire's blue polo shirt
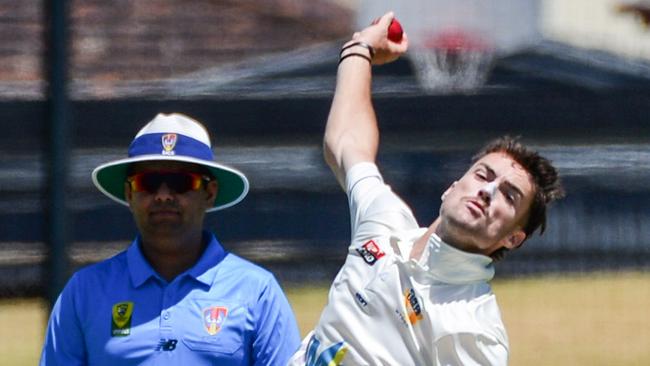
{"type": "Point", "coordinates": [223, 311]}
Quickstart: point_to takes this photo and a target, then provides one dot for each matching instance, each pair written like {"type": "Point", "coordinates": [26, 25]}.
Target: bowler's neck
{"type": "Point", "coordinates": [421, 243]}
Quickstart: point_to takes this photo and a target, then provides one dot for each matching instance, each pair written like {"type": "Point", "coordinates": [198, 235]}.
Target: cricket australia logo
{"type": "Point", "coordinates": [169, 143]}
{"type": "Point", "coordinates": [121, 322]}
{"type": "Point", "coordinates": [213, 318]}
{"type": "Point", "coordinates": [370, 252]}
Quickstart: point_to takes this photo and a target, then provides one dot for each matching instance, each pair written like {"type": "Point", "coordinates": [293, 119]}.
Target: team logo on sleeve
{"type": "Point", "coordinates": [330, 356]}
{"type": "Point", "coordinates": [121, 322]}
{"type": "Point", "coordinates": [213, 318]}
{"type": "Point", "coordinates": [169, 143]}
{"type": "Point", "coordinates": [370, 252]}
{"type": "Point", "coordinates": [413, 308]}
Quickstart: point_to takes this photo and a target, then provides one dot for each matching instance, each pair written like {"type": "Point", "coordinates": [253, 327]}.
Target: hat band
{"type": "Point", "coordinates": [170, 144]}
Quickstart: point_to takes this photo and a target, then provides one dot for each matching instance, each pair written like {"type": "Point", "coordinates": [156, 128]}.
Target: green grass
{"type": "Point", "coordinates": [22, 326]}
{"type": "Point", "coordinates": [594, 320]}
{"type": "Point", "coordinates": [586, 320]}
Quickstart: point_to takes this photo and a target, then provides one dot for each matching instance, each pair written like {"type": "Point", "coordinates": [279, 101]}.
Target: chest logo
{"type": "Point", "coordinates": [370, 252]}
{"type": "Point", "coordinates": [213, 318]}
{"type": "Point", "coordinates": [121, 322]}
{"type": "Point", "coordinates": [169, 143]}
{"type": "Point", "coordinates": [413, 307]}
{"type": "Point", "coordinates": [167, 345]}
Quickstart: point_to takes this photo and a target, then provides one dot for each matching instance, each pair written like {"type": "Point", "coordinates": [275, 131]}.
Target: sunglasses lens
{"type": "Point", "coordinates": [142, 183]}
{"type": "Point", "coordinates": [179, 182]}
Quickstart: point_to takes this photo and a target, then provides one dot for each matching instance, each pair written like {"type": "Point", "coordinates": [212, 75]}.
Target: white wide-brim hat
{"type": "Point", "coordinates": [172, 137]}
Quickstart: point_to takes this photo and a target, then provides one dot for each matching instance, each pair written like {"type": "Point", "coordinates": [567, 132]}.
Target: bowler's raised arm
{"type": "Point", "coordinates": [351, 134]}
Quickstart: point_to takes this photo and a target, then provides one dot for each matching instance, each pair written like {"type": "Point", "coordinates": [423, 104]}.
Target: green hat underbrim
{"type": "Point", "coordinates": [109, 178]}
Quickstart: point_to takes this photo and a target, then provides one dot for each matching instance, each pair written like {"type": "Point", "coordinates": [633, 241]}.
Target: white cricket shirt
{"type": "Point", "coordinates": [384, 309]}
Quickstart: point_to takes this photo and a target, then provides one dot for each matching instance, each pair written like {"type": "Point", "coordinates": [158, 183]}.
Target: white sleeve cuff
{"type": "Point", "coordinates": [360, 172]}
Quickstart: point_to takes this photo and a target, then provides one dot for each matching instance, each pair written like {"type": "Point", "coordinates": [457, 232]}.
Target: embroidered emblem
{"type": "Point", "coordinates": [370, 252]}
{"type": "Point", "coordinates": [169, 143]}
{"type": "Point", "coordinates": [121, 322]}
{"type": "Point", "coordinates": [213, 318]}
{"type": "Point", "coordinates": [330, 356]}
{"type": "Point", "coordinates": [413, 308]}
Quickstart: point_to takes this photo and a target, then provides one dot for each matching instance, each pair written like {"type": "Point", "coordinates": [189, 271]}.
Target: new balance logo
{"type": "Point", "coordinates": [166, 345]}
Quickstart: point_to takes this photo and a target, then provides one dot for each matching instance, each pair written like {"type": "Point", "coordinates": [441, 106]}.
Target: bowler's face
{"type": "Point", "coordinates": [486, 208]}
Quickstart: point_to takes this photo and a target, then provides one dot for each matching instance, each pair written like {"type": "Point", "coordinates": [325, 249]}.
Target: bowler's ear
{"type": "Point", "coordinates": [451, 187]}
{"type": "Point", "coordinates": [514, 240]}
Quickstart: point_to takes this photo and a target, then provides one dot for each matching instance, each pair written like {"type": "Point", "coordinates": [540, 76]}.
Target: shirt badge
{"type": "Point", "coordinates": [330, 356]}
{"type": "Point", "coordinates": [413, 308]}
{"type": "Point", "coordinates": [370, 252]}
{"type": "Point", "coordinates": [169, 143]}
{"type": "Point", "coordinates": [121, 322]}
{"type": "Point", "coordinates": [213, 318]}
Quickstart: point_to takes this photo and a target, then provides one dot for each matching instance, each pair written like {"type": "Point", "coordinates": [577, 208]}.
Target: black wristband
{"type": "Point", "coordinates": [355, 54]}
{"type": "Point", "coordinates": [361, 44]}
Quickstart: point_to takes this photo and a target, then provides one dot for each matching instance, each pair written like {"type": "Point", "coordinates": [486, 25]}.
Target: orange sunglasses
{"type": "Point", "coordinates": [179, 182]}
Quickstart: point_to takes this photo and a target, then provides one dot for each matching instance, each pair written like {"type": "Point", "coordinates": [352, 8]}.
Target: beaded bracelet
{"type": "Point", "coordinates": [362, 44]}
{"type": "Point", "coordinates": [355, 54]}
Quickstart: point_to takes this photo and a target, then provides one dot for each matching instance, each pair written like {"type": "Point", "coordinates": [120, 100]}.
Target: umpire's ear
{"type": "Point", "coordinates": [212, 189]}
{"type": "Point", "coordinates": [128, 193]}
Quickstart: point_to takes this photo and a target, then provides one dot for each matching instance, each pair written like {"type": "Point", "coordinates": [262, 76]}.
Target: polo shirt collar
{"type": "Point", "coordinates": [139, 268]}
{"type": "Point", "coordinates": [203, 271]}
{"type": "Point", "coordinates": [454, 266]}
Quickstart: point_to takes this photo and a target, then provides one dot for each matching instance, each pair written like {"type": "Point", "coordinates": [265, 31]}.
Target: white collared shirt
{"type": "Point", "coordinates": [387, 309]}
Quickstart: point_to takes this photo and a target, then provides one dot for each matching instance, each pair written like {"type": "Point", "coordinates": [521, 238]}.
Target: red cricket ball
{"type": "Point", "coordinates": [395, 31]}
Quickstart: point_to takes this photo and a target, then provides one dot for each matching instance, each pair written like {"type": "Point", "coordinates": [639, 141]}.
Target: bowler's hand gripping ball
{"type": "Point", "coordinates": [395, 31]}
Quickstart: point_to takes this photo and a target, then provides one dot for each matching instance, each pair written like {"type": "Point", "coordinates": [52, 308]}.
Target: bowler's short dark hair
{"type": "Point", "coordinates": [547, 185]}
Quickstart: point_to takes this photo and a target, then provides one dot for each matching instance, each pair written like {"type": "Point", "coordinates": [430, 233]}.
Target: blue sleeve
{"type": "Point", "coordinates": [277, 336]}
{"type": "Point", "coordinates": [64, 339]}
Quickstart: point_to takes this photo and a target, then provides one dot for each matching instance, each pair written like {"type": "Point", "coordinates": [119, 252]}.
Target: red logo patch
{"type": "Point", "coordinates": [370, 252]}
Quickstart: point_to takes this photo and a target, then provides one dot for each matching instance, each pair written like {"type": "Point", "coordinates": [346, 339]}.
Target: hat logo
{"type": "Point", "coordinates": [168, 144]}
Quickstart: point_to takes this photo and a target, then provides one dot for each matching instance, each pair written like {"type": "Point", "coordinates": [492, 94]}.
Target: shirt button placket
{"type": "Point", "coordinates": [166, 314]}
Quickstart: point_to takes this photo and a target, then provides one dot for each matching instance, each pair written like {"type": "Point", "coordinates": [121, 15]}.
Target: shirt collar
{"type": "Point", "coordinates": [139, 268]}
{"type": "Point", "coordinates": [442, 262]}
{"type": "Point", "coordinates": [454, 266]}
{"type": "Point", "coordinates": [203, 271]}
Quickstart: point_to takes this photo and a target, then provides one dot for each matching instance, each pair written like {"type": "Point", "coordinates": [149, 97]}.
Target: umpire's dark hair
{"type": "Point", "coordinates": [548, 187]}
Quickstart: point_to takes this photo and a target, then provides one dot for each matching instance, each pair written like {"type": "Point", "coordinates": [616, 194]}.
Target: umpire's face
{"type": "Point", "coordinates": [168, 199]}
{"type": "Point", "coordinates": [486, 209]}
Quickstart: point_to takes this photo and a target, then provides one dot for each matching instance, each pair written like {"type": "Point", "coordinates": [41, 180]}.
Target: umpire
{"type": "Point", "coordinates": [174, 296]}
